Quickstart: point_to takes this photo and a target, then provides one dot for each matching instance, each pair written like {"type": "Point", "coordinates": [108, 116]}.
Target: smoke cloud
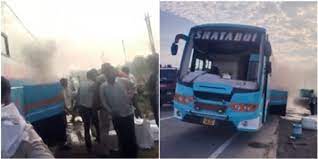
{"type": "Point", "coordinates": [38, 56]}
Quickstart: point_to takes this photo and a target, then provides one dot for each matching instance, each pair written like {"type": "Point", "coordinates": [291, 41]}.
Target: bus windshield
{"type": "Point", "coordinates": [226, 52]}
{"type": "Point", "coordinates": [236, 66]}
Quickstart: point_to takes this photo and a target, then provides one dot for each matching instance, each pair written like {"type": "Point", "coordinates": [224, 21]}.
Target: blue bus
{"type": "Point", "coordinates": [224, 76]}
{"type": "Point", "coordinates": [40, 102]}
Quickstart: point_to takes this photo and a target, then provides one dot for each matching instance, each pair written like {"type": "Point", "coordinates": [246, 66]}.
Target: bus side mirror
{"type": "Point", "coordinates": [268, 49]}
{"type": "Point", "coordinates": [268, 67]}
{"type": "Point", "coordinates": [174, 46]}
{"type": "Point", "coordinates": [4, 40]}
{"type": "Point", "coordinates": [174, 49]}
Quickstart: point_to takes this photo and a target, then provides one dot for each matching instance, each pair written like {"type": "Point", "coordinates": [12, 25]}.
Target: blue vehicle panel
{"type": "Point", "coordinates": [47, 102]}
{"type": "Point", "coordinates": [278, 98]}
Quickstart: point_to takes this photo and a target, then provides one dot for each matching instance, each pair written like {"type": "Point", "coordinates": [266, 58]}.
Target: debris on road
{"type": "Point", "coordinates": [258, 145]}
{"type": "Point", "coordinates": [297, 131]}
{"type": "Point", "coordinates": [261, 144]}
{"type": "Point", "coordinates": [76, 132]}
{"type": "Point", "coordinates": [304, 147]}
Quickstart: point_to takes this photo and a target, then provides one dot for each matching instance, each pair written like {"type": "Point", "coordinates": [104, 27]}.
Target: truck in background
{"type": "Point", "coordinates": [168, 79]}
{"type": "Point", "coordinates": [224, 76]}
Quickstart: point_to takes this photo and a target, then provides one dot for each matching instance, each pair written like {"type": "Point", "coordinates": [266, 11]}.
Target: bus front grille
{"type": "Point", "coordinates": [212, 96]}
{"type": "Point", "coordinates": [216, 108]}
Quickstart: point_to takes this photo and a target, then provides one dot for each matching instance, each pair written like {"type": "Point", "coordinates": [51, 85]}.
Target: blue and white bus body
{"type": "Point", "coordinates": [41, 103]}
{"type": "Point", "coordinates": [207, 98]}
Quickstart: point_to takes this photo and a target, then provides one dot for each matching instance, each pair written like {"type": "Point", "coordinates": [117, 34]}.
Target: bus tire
{"type": "Point", "coordinates": [52, 135]}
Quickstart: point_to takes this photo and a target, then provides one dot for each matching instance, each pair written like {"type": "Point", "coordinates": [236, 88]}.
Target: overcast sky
{"type": "Point", "coordinates": [292, 29]}
{"type": "Point", "coordinates": [85, 29]}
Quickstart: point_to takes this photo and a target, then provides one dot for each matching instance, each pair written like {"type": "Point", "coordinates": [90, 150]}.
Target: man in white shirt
{"type": "Point", "coordinates": [18, 138]}
{"type": "Point", "coordinates": [131, 77]}
{"type": "Point", "coordinates": [132, 89]}
{"type": "Point", "coordinates": [68, 96]}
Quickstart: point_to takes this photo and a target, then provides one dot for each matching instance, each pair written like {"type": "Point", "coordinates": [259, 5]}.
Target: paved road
{"type": "Point", "coordinates": [181, 139]}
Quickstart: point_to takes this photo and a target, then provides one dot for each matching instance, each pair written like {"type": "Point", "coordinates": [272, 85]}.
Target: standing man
{"type": "Point", "coordinates": [68, 95]}
{"type": "Point", "coordinates": [18, 138]}
{"type": "Point", "coordinates": [74, 86]}
{"type": "Point", "coordinates": [133, 92]}
{"type": "Point", "coordinates": [117, 102]}
{"type": "Point", "coordinates": [85, 99]}
{"type": "Point", "coordinates": [104, 114]}
{"type": "Point", "coordinates": [152, 86]}
{"type": "Point", "coordinates": [96, 104]}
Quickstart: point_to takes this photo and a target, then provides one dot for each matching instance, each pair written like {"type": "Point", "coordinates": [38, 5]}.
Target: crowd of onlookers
{"type": "Point", "coordinates": [104, 96]}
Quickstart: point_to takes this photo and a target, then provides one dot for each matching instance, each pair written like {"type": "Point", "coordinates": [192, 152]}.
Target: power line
{"type": "Point", "coordinates": [20, 21]}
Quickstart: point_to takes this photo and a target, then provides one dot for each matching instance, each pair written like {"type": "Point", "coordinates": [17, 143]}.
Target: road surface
{"type": "Point", "coordinates": [181, 139]}
{"type": "Point", "coordinates": [78, 150]}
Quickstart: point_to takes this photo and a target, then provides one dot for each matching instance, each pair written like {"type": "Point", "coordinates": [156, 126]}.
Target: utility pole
{"type": "Point", "coordinates": [152, 45]}
{"type": "Point", "coordinates": [102, 57]}
{"type": "Point", "coordinates": [124, 51]}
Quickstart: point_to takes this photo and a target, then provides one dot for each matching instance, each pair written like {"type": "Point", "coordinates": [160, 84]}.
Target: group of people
{"type": "Point", "coordinates": [110, 95]}
{"type": "Point", "coordinates": [101, 98]}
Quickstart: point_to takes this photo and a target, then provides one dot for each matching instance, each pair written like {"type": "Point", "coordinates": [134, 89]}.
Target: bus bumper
{"type": "Point", "coordinates": [252, 124]}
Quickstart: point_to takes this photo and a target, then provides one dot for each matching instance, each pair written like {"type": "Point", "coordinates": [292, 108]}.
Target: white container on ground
{"type": "Point", "coordinates": [309, 122]}
{"type": "Point", "coordinates": [144, 134]}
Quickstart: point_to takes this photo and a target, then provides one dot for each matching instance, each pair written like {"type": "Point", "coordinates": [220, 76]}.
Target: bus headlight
{"type": "Point", "coordinates": [239, 107]}
{"type": "Point", "coordinates": [183, 99]}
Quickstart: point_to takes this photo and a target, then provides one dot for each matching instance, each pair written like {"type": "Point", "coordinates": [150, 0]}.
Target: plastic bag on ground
{"type": "Point", "coordinates": [143, 134]}
{"type": "Point", "coordinates": [154, 130]}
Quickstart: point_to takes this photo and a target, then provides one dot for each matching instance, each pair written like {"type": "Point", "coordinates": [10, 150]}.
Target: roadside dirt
{"type": "Point", "coordinates": [304, 147]}
{"type": "Point", "coordinates": [78, 149]}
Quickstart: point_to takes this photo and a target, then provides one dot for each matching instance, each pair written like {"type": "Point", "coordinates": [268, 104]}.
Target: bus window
{"type": "Point", "coordinates": [252, 71]}
{"type": "Point", "coordinates": [4, 45]}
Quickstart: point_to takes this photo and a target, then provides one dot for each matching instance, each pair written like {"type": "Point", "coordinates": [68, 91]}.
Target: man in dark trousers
{"type": "Point", "coordinates": [152, 86]}
{"type": "Point", "coordinates": [118, 104]}
{"type": "Point", "coordinates": [313, 104]}
{"type": "Point", "coordinates": [85, 108]}
{"type": "Point", "coordinates": [96, 104]}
